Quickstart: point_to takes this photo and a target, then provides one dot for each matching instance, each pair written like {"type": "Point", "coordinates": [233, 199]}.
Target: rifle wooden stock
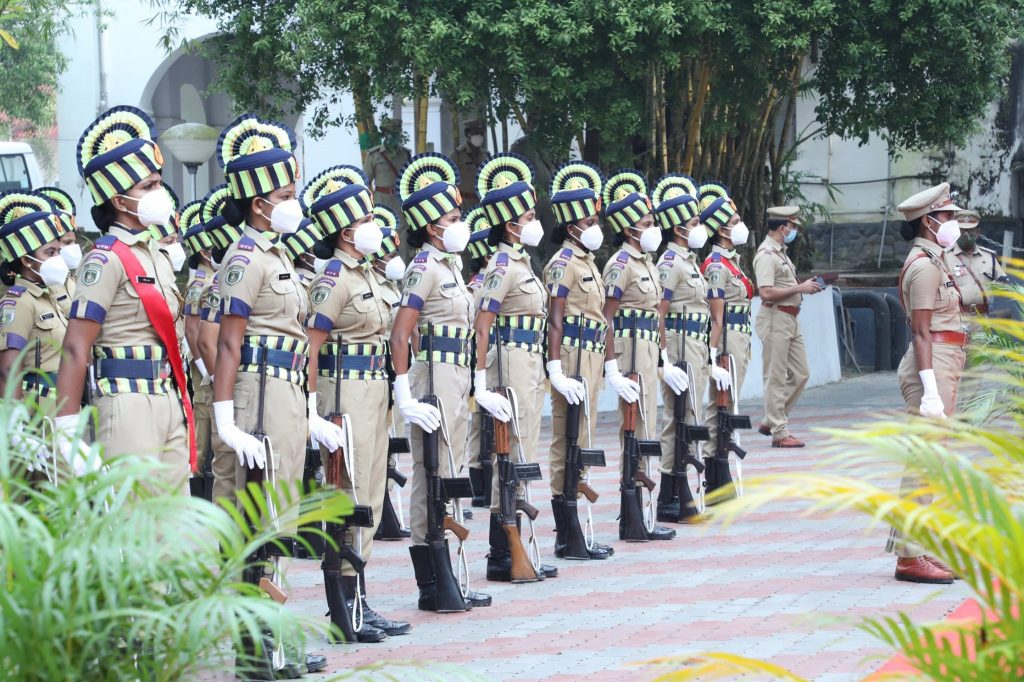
{"type": "Point", "coordinates": [457, 529]}
{"type": "Point", "coordinates": [588, 492]}
{"type": "Point", "coordinates": [522, 569]}
{"type": "Point", "coordinates": [527, 508]}
{"type": "Point", "coordinates": [632, 410]}
{"type": "Point", "coordinates": [643, 478]}
{"type": "Point", "coordinates": [273, 591]}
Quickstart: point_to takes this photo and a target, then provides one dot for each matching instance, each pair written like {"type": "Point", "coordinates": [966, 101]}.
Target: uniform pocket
{"type": "Point", "coordinates": [140, 311]}
{"type": "Point", "coordinates": [645, 285]}
{"type": "Point", "coordinates": [291, 304]}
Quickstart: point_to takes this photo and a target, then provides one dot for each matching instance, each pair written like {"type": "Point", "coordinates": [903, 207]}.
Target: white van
{"type": "Point", "coordinates": [18, 168]}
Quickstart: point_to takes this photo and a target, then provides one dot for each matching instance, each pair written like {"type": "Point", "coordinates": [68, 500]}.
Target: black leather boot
{"type": "Point", "coordinates": [687, 506]}
{"type": "Point", "coordinates": [668, 503]}
{"type": "Point", "coordinates": [371, 617]}
{"type": "Point", "coordinates": [558, 513]}
{"type": "Point", "coordinates": [717, 475]}
{"type": "Point", "coordinates": [476, 479]}
{"type": "Point", "coordinates": [499, 558]}
{"type": "Point", "coordinates": [426, 581]}
{"type": "Point", "coordinates": [368, 633]}
{"type": "Point", "coordinates": [560, 510]}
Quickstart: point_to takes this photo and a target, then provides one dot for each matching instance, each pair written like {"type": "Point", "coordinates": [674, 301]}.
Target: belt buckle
{"type": "Point", "coordinates": [165, 370]}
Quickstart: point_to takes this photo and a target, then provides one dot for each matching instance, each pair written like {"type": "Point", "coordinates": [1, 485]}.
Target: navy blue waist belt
{"type": "Point", "coordinates": [254, 355]}
{"type": "Point", "coordinates": [643, 324]}
{"type": "Point", "coordinates": [691, 326]}
{"type": "Point", "coordinates": [44, 379]}
{"type": "Point", "coordinates": [510, 335]}
{"type": "Point", "coordinates": [737, 318]}
{"type": "Point", "coordinates": [114, 368]}
{"type": "Point", "coordinates": [444, 344]}
{"type": "Point", "coordinates": [573, 331]}
{"type": "Point", "coordinates": [352, 363]}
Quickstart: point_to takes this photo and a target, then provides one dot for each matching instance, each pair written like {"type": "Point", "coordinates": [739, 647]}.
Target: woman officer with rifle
{"type": "Point", "coordinates": [686, 320]}
{"type": "Point", "coordinates": [630, 310]}
{"type": "Point", "coordinates": [262, 346]}
{"type": "Point", "coordinates": [576, 342]}
{"type": "Point", "coordinates": [346, 327]}
{"type": "Point", "coordinates": [436, 304]}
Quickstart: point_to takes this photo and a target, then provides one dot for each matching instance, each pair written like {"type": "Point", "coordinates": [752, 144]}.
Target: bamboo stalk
{"type": "Point", "coordinates": [693, 141]}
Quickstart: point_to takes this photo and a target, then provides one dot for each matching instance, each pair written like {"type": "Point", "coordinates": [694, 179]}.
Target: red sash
{"type": "Point", "coordinates": [731, 268]}
{"type": "Point", "coordinates": [163, 324]}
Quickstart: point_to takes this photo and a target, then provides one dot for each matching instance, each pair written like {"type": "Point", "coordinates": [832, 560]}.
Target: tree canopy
{"type": "Point", "coordinates": [30, 61]}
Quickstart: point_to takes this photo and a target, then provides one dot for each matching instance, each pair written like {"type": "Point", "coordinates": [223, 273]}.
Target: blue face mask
{"type": "Point", "coordinates": [790, 236]}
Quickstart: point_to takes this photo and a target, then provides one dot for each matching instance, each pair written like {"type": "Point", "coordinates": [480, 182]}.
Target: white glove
{"type": "Point", "coordinates": [201, 366]}
{"type": "Point", "coordinates": [628, 390]}
{"type": "Point", "coordinates": [331, 436]}
{"type": "Point", "coordinates": [425, 416]}
{"type": "Point", "coordinates": [720, 375]}
{"type": "Point", "coordinates": [250, 450]}
{"type": "Point", "coordinates": [570, 388]}
{"type": "Point", "coordinates": [496, 405]}
{"type": "Point", "coordinates": [72, 449]}
{"type": "Point", "coordinates": [674, 376]}
{"type": "Point", "coordinates": [931, 403]}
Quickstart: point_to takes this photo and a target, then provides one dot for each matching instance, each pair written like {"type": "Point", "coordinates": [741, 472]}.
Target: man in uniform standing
{"type": "Point", "coordinates": [384, 164]}
{"type": "Point", "coordinates": [783, 356]}
{"type": "Point", "coordinates": [974, 267]}
{"type": "Point", "coordinates": [469, 156]}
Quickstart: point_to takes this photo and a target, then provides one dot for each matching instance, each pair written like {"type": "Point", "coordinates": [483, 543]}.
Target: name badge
{"type": "Point", "coordinates": [46, 316]}
{"type": "Point", "coordinates": [588, 279]}
{"type": "Point", "coordinates": [368, 294]}
{"type": "Point", "coordinates": [449, 285]}
{"type": "Point", "coordinates": [284, 275]}
{"type": "Point", "coordinates": [950, 283]}
{"type": "Point", "coordinates": [694, 274]}
{"type": "Point", "coordinates": [141, 279]}
{"type": "Point", "coordinates": [645, 279]}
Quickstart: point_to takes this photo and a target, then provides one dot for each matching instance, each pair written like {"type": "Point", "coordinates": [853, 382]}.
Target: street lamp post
{"type": "Point", "coordinates": [192, 144]}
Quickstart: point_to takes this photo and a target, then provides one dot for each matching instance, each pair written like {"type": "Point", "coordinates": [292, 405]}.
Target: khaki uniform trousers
{"type": "Point", "coordinates": [697, 358]}
{"type": "Point", "coordinates": [286, 423]}
{"type": "Point", "coordinates": [202, 411]}
{"type": "Point", "coordinates": [150, 427]}
{"type": "Point", "coordinates": [365, 401]}
{"type": "Point", "coordinates": [948, 363]}
{"type": "Point", "coordinates": [523, 372]}
{"type": "Point", "coordinates": [647, 367]}
{"type": "Point", "coordinates": [784, 366]}
{"type": "Point", "coordinates": [739, 346]}
{"type": "Point", "coordinates": [591, 368]}
{"type": "Point", "coordinates": [397, 424]}
{"type": "Point", "coordinates": [451, 386]}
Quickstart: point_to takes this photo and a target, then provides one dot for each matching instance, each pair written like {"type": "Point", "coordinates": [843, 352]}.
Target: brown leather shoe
{"type": "Point", "coordinates": [941, 565]}
{"type": "Point", "coordinates": [764, 430]}
{"type": "Point", "coordinates": [788, 442]}
{"type": "Point", "coordinates": [920, 570]}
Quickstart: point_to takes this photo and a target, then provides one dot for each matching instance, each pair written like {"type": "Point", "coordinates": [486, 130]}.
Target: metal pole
{"type": "Point", "coordinates": [1007, 243]}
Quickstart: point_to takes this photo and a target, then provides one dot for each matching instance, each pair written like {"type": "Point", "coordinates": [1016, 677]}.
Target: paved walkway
{"type": "Point", "coordinates": [776, 585]}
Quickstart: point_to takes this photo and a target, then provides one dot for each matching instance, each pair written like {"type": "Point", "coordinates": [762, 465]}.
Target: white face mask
{"type": "Point", "coordinates": [477, 140]}
{"type": "Point", "coordinates": [176, 252]}
{"type": "Point", "coordinates": [53, 271]}
{"type": "Point", "coordinates": [455, 237]}
{"type": "Point", "coordinates": [367, 238]}
{"type": "Point", "coordinates": [395, 269]}
{"type": "Point", "coordinates": [697, 237]}
{"type": "Point", "coordinates": [286, 216]}
{"type": "Point", "coordinates": [739, 234]}
{"type": "Point", "coordinates": [319, 264]}
{"type": "Point", "coordinates": [530, 233]}
{"type": "Point", "coordinates": [592, 237]}
{"type": "Point", "coordinates": [650, 239]}
{"type": "Point", "coordinates": [154, 208]}
{"type": "Point", "coordinates": [72, 255]}
{"type": "Point", "coordinates": [948, 232]}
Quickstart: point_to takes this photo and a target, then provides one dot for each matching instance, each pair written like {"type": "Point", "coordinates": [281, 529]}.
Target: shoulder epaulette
{"type": "Point", "coordinates": [668, 255]}
{"type": "Point", "coordinates": [501, 259]}
{"type": "Point", "coordinates": [986, 250]}
{"type": "Point", "coordinates": [105, 243]}
{"type": "Point", "coordinates": [565, 253]}
{"type": "Point", "coordinates": [421, 257]}
{"type": "Point", "coordinates": [15, 291]}
{"type": "Point", "coordinates": [247, 243]}
{"type": "Point", "coordinates": [622, 257]}
{"type": "Point", "coordinates": [333, 268]}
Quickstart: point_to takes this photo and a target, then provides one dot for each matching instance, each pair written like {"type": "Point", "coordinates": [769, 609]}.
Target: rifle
{"type": "Point", "coordinates": [576, 461]}
{"type": "Point", "coordinates": [391, 526]}
{"type": "Point", "coordinates": [728, 420]}
{"type": "Point", "coordinates": [510, 504]}
{"type": "Point", "coordinates": [347, 622]}
{"type": "Point", "coordinates": [686, 435]}
{"type": "Point", "coordinates": [484, 452]}
{"type": "Point", "coordinates": [631, 516]}
{"type": "Point", "coordinates": [449, 596]}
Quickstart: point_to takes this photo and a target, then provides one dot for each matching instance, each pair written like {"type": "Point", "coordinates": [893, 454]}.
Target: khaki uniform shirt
{"type": "Point", "coordinates": [928, 285]}
{"type": "Point", "coordinates": [433, 285]}
{"type": "Point", "coordinates": [64, 294]}
{"type": "Point", "coordinates": [383, 167]}
{"type": "Point", "coordinates": [722, 283]}
{"type": "Point", "coordinates": [392, 294]}
{"type": "Point", "coordinates": [194, 291]}
{"type": "Point", "coordinates": [974, 273]}
{"type": "Point", "coordinates": [31, 318]}
{"type": "Point", "coordinates": [773, 268]}
{"type": "Point", "coordinates": [685, 287]}
{"type": "Point", "coordinates": [632, 278]}
{"type": "Point", "coordinates": [209, 300]}
{"type": "Point", "coordinates": [510, 287]}
{"type": "Point", "coordinates": [347, 302]}
{"type": "Point", "coordinates": [573, 274]}
{"type": "Point", "coordinates": [306, 277]}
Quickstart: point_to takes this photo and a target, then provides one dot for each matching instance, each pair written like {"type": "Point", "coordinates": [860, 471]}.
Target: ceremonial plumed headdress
{"type": "Point", "coordinates": [65, 204]}
{"type": "Point", "coordinates": [505, 181]}
{"type": "Point", "coordinates": [479, 230]}
{"type": "Point", "coordinates": [716, 208]}
{"type": "Point", "coordinates": [336, 198]}
{"type": "Point", "coordinates": [576, 191]}
{"type": "Point", "coordinates": [675, 200]}
{"type": "Point", "coordinates": [625, 198]}
{"type": "Point", "coordinates": [302, 240]}
{"type": "Point", "coordinates": [222, 233]}
{"type": "Point", "coordinates": [428, 187]}
{"type": "Point", "coordinates": [28, 220]}
{"type": "Point", "coordinates": [117, 151]}
{"type": "Point", "coordinates": [256, 156]}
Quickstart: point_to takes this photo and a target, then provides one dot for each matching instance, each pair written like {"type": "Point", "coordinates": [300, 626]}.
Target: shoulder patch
{"type": "Point", "coordinates": [501, 259]}
{"type": "Point", "coordinates": [412, 279]}
{"type": "Point", "coordinates": [557, 272]}
{"type": "Point", "coordinates": [239, 258]}
{"type": "Point", "coordinates": [421, 257]}
{"type": "Point", "coordinates": [193, 293]}
{"type": "Point", "coordinates": [247, 243]}
{"type": "Point", "coordinates": [234, 274]}
{"type": "Point", "coordinates": [319, 294]}
{"type": "Point", "coordinates": [333, 268]}
{"type": "Point", "coordinates": [91, 272]}
{"type": "Point", "coordinates": [16, 291]}
{"type": "Point", "coordinates": [494, 279]}
{"type": "Point", "coordinates": [716, 276]}
{"type": "Point", "coordinates": [6, 316]}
